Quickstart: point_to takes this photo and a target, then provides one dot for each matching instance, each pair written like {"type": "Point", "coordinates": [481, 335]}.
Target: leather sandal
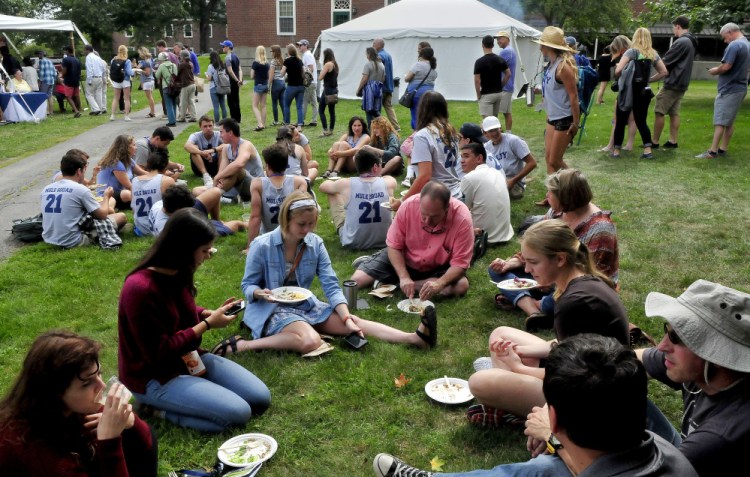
{"type": "Point", "coordinates": [502, 302]}
{"type": "Point", "coordinates": [429, 320]}
{"type": "Point", "coordinates": [224, 345]}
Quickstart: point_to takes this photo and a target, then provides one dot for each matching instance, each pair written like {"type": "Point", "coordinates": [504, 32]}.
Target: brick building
{"type": "Point", "coordinates": [280, 22]}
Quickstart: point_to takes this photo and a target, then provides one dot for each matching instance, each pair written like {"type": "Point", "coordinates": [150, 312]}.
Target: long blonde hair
{"type": "Point", "coordinates": [291, 50]}
{"type": "Point", "coordinates": [122, 52]}
{"type": "Point", "coordinates": [260, 54]}
{"type": "Point", "coordinates": [553, 236]}
{"type": "Point", "coordinates": [144, 53]}
{"type": "Point", "coordinates": [642, 43]}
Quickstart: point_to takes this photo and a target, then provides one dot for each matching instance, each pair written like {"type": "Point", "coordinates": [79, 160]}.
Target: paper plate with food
{"type": "Point", "coordinates": [290, 295]}
{"type": "Point", "coordinates": [449, 390]}
{"type": "Point", "coordinates": [247, 449]}
{"type": "Point", "coordinates": [415, 305]}
{"type": "Point", "coordinates": [516, 284]}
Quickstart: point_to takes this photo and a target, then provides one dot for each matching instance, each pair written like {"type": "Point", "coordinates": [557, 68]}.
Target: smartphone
{"type": "Point", "coordinates": [355, 341]}
{"type": "Point", "coordinates": [236, 309]}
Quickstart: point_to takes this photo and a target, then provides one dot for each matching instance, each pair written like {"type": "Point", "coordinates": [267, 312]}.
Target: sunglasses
{"type": "Point", "coordinates": [671, 334]}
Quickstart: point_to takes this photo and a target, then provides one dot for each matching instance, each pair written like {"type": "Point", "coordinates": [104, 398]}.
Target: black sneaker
{"type": "Point", "coordinates": [670, 145]}
{"type": "Point", "coordinates": [386, 465]}
{"type": "Point", "coordinates": [656, 145]}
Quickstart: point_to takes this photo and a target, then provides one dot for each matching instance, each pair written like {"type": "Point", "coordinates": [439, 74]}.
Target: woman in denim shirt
{"type": "Point", "coordinates": [297, 328]}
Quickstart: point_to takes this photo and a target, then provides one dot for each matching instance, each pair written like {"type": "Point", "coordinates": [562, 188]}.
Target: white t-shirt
{"type": "Point", "coordinates": [64, 203]}
{"type": "Point", "coordinates": [307, 60]}
{"type": "Point", "coordinates": [146, 192]}
{"type": "Point", "coordinates": [157, 219]}
{"type": "Point", "coordinates": [428, 147]}
{"type": "Point", "coordinates": [507, 156]}
{"type": "Point", "coordinates": [486, 195]}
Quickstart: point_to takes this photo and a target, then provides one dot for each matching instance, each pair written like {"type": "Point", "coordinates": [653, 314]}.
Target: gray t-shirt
{"type": "Point", "coordinates": [507, 156]}
{"type": "Point", "coordinates": [374, 70]}
{"type": "Point", "coordinates": [737, 54]}
{"type": "Point", "coordinates": [428, 147]}
{"type": "Point", "coordinates": [202, 143]}
{"type": "Point", "coordinates": [420, 70]}
{"type": "Point", "coordinates": [63, 205]}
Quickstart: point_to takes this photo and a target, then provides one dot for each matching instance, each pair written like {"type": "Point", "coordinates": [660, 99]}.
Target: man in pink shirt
{"type": "Point", "coordinates": [429, 247]}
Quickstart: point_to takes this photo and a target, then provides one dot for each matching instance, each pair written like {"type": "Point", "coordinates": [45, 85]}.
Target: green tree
{"type": "Point", "coordinates": [587, 18]}
{"type": "Point", "coordinates": [702, 13]}
{"type": "Point", "coordinates": [207, 12]}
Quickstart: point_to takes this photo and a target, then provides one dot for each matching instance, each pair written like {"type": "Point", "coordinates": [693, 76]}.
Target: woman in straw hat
{"type": "Point", "coordinates": [559, 88]}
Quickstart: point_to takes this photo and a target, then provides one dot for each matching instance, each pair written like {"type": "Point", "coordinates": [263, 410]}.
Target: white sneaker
{"type": "Point", "coordinates": [482, 363]}
{"type": "Point", "coordinates": [406, 182]}
{"type": "Point", "coordinates": [112, 118]}
{"type": "Point", "coordinates": [226, 200]}
{"type": "Point", "coordinates": [207, 181]}
{"type": "Point", "coordinates": [126, 118]}
{"type": "Point", "coordinates": [360, 260]}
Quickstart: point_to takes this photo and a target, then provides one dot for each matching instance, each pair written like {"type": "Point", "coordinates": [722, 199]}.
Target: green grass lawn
{"type": "Point", "coordinates": [678, 219]}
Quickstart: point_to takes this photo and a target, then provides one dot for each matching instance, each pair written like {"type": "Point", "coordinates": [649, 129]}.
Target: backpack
{"type": "Point", "coordinates": [29, 229]}
{"type": "Point", "coordinates": [641, 74]}
{"type": "Point", "coordinates": [117, 70]}
{"type": "Point", "coordinates": [174, 88]}
{"type": "Point", "coordinates": [222, 82]}
{"type": "Point", "coordinates": [588, 80]}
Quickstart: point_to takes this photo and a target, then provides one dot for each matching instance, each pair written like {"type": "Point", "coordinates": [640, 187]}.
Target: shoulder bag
{"type": "Point", "coordinates": [408, 98]}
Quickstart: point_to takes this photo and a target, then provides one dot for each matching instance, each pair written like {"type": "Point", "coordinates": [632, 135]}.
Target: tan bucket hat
{"type": "Point", "coordinates": [553, 37]}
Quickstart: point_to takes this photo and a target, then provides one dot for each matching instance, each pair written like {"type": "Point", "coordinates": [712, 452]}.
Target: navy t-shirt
{"type": "Point", "coordinates": [72, 76]}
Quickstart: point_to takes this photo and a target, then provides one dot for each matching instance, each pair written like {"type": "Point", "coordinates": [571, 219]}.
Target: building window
{"type": "Point", "coordinates": [169, 31]}
{"type": "Point", "coordinates": [285, 14]}
{"type": "Point", "coordinates": [129, 32]}
{"type": "Point", "coordinates": [210, 31]}
{"type": "Point", "coordinates": [390, 2]}
{"type": "Point", "coordinates": [341, 11]}
{"type": "Point", "coordinates": [187, 30]}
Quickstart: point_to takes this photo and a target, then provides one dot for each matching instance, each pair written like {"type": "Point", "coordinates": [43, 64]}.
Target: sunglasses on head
{"type": "Point", "coordinates": [671, 334]}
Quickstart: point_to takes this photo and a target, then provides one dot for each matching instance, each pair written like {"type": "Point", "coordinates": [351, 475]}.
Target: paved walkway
{"type": "Point", "coordinates": [22, 182]}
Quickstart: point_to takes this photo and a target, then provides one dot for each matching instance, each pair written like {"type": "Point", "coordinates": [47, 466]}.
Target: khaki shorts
{"type": "Point", "coordinates": [668, 102]}
{"type": "Point", "coordinates": [489, 104]}
{"type": "Point", "coordinates": [506, 102]}
{"type": "Point", "coordinates": [338, 215]}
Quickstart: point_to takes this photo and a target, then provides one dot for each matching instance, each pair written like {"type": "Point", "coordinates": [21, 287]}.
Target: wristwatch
{"type": "Point", "coordinates": [553, 445]}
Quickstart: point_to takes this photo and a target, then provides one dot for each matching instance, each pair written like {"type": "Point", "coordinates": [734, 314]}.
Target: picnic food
{"type": "Point", "coordinates": [450, 391]}
{"type": "Point", "coordinates": [520, 284]}
{"type": "Point", "coordinates": [414, 308]}
{"type": "Point", "coordinates": [247, 451]}
{"type": "Point", "coordinates": [285, 294]}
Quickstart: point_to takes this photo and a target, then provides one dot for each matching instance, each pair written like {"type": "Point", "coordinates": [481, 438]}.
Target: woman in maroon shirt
{"type": "Point", "coordinates": [52, 422]}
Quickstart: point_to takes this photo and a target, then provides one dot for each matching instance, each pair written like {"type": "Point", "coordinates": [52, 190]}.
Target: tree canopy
{"type": "Point", "coordinates": [702, 13]}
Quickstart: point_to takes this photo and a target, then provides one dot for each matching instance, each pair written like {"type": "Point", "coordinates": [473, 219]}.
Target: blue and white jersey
{"type": "Point", "coordinates": [271, 198]}
{"type": "Point", "coordinates": [366, 223]}
{"type": "Point", "coordinates": [146, 192]}
{"type": "Point", "coordinates": [63, 205]}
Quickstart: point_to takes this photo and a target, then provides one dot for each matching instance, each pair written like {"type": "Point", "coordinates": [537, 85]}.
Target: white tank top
{"type": "Point", "coordinates": [366, 223]}
{"type": "Point", "coordinates": [145, 194]}
{"type": "Point", "coordinates": [271, 198]}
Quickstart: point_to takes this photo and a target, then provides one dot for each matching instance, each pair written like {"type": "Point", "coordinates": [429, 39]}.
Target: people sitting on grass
{"type": "Point", "coordinates": [585, 302]}
{"type": "Point", "coordinates": [570, 196]}
{"type": "Point", "coordinates": [435, 152]}
{"type": "Point", "coordinates": [148, 190]}
{"type": "Point", "coordinates": [510, 154]}
{"type": "Point", "coordinates": [118, 169]}
{"type": "Point", "coordinates": [292, 255]}
{"type": "Point", "coordinates": [178, 197]}
{"type": "Point", "coordinates": [160, 328]}
{"type": "Point", "coordinates": [205, 148]}
{"type": "Point", "coordinates": [485, 194]}
{"type": "Point", "coordinates": [385, 143]}
{"type": "Point", "coordinates": [299, 138]}
{"type": "Point", "coordinates": [297, 158]}
{"type": "Point", "coordinates": [429, 247]}
{"type": "Point", "coordinates": [158, 142]}
{"type": "Point", "coordinates": [239, 162]}
{"type": "Point", "coordinates": [705, 354]}
{"type": "Point", "coordinates": [357, 203]}
{"type": "Point", "coordinates": [56, 420]}
{"type": "Point", "coordinates": [594, 423]}
{"type": "Point", "coordinates": [268, 192]}
{"type": "Point", "coordinates": [66, 202]}
{"type": "Point", "coordinates": [341, 153]}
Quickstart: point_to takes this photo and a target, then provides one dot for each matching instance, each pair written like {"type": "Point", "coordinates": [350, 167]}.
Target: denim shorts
{"type": "Point", "coordinates": [261, 88]}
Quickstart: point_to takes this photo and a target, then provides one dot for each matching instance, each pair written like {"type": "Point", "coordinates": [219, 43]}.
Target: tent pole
{"type": "Point", "coordinates": [596, 46]}
{"type": "Point", "coordinates": [520, 60]}
{"type": "Point", "coordinates": [72, 42]}
{"type": "Point", "coordinates": [11, 44]}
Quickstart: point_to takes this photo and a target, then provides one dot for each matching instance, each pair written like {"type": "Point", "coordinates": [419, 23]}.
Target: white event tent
{"type": "Point", "coordinates": [11, 23]}
{"type": "Point", "coordinates": [454, 29]}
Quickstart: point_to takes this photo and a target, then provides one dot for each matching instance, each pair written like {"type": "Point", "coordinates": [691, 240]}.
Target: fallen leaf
{"type": "Point", "coordinates": [401, 381]}
{"type": "Point", "coordinates": [437, 464]}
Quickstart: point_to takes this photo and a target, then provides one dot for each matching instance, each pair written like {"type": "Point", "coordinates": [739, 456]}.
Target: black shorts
{"type": "Point", "coordinates": [119, 204]}
{"type": "Point", "coordinates": [562, 124]}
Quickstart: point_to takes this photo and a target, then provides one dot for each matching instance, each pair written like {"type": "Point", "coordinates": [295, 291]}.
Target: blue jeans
{"type": "Point", "coordinates": [415, 105]}
{"type": "Point", "coordinates": [296, 93]}
{"type": "Point", "coordinates": [218, 101]}
{"type": "Point", "coordinates": [548, 303]}
{"type": "Point", "coordinates": [541, 466]}
{"type": "Point", "coordinates": [277, 98]}
{"type": "Point", "coordinates": [658, 423]}
{"type": "Point", "coordinates": [169, 103]}
{"type": "Point", "coordinates": [226, 396]}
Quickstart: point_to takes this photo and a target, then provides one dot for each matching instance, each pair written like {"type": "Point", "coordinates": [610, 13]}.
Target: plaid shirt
{"type": "Point", "coordinates": [47, 72]}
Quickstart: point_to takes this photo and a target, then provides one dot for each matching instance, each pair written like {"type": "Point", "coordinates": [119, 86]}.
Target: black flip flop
{"type": "Point", "coordinates": [429, 320]}
{"type": "Point", "coordinates": [221, 348]}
